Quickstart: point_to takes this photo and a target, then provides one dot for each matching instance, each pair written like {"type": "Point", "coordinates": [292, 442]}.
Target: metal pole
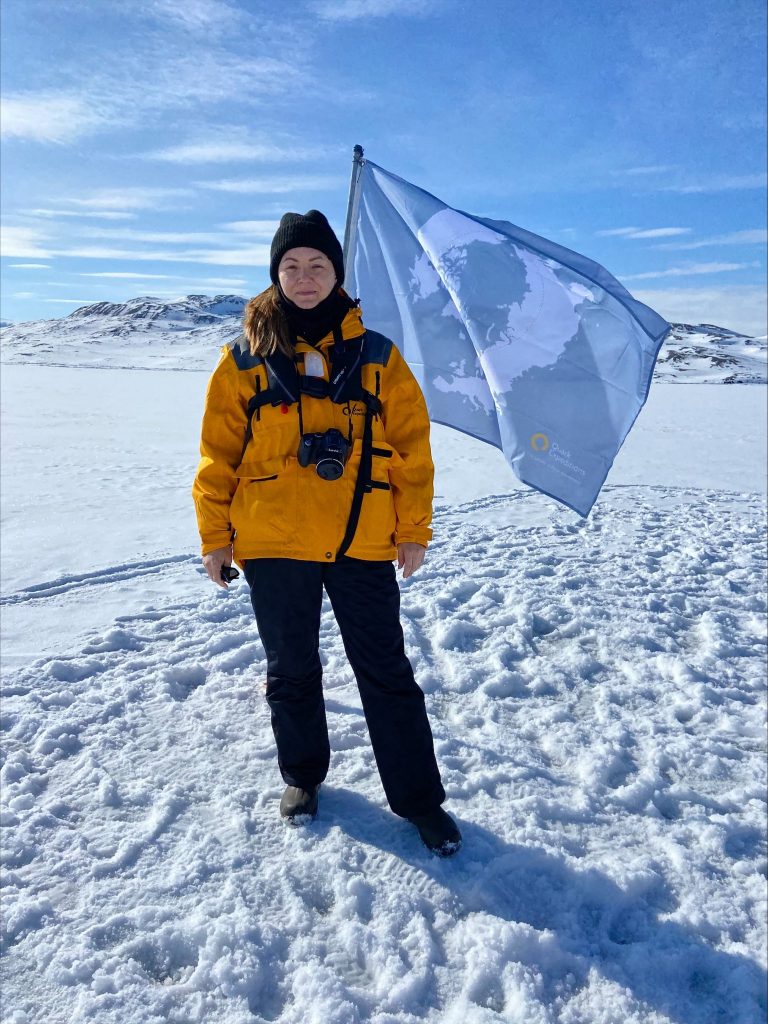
{"type": "Point", "coordinates": [350, 229]}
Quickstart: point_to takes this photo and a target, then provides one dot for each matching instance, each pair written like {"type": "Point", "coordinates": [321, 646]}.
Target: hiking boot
{"type": "Point", "coordinates": [299, 803]}
{"type": "Point", "coordinates": [438, 832]}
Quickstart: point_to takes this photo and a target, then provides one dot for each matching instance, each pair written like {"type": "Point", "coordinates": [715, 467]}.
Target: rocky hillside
{"type": "Point", "coordinates": [186, 334]}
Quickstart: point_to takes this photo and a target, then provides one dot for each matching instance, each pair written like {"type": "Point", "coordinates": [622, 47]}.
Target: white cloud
{"type": "Point", "coordinates": [644, 232]}
{"type": "Point", "coordinates": [132, 84]}
{"type": "Point", "coordinates": [133, 197]}
{"type": "Point", "coordinates": [738, 307]}
{"type": "Point", "coordinates": [29, 266]}
{"type": "Point", "coordinates": [201, 287]}
{"type": "Point", "coordinates": [719, 183]}
{"type": "Point", "coordinates": [248, 256]}
{"type": "Point", "coordinates": [26, 243]}
{"type": "Point", "coordinates": [224, 282]}
{"type": "Point", "coordinates": [660, 232]}
{"type": "Point", "coordinates": [23, 295]}
{"type": "Point", "coordinates": [218, 282]}
{"type": "Point", "coordinates": [58, 117]}
{"type": "Point", "coordinates": [196, 16]}
{"type": "Point", "coordinates": [147, 284]}
{"type": "Point", "coordinates": [198, 77]}
{"type": "Point", "coordinates": [226, 150]}
{"type": "Point", "coordinates": [654, 169]}
{"type": "Point", "coordinates": [103, 214]}
{"type": "Point", "coordinates": [129, 275]}
{"type": "Point", "coordinates": [253, 256]}
{"type": "Point", "coordinates": [751, 236]}
{"type": "Point", "coordinates": [349, 10]}
{"type": "Point", "coordinates": [265, 186]}
{"type": "Point", "coordinates": [253, 227]}
{"type": "Point", "coordinates": [691, 269]}
{"type": "Point", "coordinates": [170, 237]}
{"type": "Point", "coordinates": [677, 180]}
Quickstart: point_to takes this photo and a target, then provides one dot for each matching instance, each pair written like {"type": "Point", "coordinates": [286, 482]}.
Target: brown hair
{"type": "Point", "coordinates": [264, 324]}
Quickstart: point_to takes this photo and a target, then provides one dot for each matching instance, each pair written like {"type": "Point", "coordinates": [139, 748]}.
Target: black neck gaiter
{"type": "Point", "coordinates": [313, 324]}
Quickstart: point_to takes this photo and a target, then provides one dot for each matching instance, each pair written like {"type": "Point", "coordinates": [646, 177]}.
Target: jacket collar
{"type": "Point", "coordinates": [351, 327]}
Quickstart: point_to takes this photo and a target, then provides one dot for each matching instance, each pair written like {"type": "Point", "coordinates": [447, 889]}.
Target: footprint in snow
{"type": "Point", "coordinates": [745, 843]}
{"type": "Point", "coordinates": [115, 640]}
{"type": "Point", "coordinates": [181, 681]}
{"type": "Point", "coordinates": [460, 635]}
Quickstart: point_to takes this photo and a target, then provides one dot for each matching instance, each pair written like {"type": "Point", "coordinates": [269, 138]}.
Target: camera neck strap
{"type": "Point", "coordinates": [345, 376]}
{"type": "Point", "coordinates": [285, 384]}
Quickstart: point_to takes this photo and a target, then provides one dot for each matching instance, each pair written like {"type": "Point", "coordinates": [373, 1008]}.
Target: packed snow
{"type": "Point", "coordinates": [597, 695]}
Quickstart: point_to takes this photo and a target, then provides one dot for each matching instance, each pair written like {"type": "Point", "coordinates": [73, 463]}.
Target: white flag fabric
{"type": "Point", "coordinates": [514, 339]}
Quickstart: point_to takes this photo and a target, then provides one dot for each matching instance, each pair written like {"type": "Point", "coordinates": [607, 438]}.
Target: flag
{"type": "Point", "coordinates": [514, 339]}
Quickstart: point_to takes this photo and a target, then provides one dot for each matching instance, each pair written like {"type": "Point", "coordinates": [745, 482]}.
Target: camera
{"type": "Point", "coordinates": [327, 452]}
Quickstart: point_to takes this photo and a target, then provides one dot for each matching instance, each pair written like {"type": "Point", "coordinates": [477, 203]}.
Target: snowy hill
{"type": "Point", "coordinates": [149, 333]}
{"type": "Point", "coordinates": [142, 333]}
{"type": "Point", "coordinates": [707, 355]}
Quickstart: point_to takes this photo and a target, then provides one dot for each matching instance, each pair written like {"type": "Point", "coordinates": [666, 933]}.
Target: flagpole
{"type": "Point", "coordinates": [350, 229]}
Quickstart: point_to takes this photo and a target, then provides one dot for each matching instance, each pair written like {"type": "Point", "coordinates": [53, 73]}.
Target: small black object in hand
{"type": "Point", "coordinates": [229, 573]}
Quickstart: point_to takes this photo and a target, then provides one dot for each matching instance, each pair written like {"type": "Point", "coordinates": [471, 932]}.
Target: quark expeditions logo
{"type": "Point", "coordinates": [353, 409]}
{"type": "Point", "coordinates": [542, 444]}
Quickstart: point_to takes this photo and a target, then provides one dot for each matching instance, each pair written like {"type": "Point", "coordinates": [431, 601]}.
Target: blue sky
{"type": "Point", "coordinates": [150, 147]}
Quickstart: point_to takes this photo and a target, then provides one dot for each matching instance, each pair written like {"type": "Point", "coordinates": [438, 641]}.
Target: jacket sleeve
{"type": "Point", "coordinates": [221, 442]}
{"type": "Point", "coordinates": [406, 428]}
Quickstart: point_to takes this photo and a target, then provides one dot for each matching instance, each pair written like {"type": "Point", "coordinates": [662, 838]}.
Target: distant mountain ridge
{"type": "Point", "coordinates": [185, 334]}
{"type": "Point", "coordinates": [201, 310]}
{"type": "Point", "coordinates": [707, 354]}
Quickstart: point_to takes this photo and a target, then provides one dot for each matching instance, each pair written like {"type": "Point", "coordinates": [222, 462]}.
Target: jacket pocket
{"type": "Point", "coordinates": [265, 506]}
{"type": "Point", "coordinates": [272, 441]}
{"type": "Point", "coordinates": [265, 469]}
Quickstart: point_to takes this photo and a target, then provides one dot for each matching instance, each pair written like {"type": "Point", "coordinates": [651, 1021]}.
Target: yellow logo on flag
{"type": "Point", "coordinates": [539, 442]}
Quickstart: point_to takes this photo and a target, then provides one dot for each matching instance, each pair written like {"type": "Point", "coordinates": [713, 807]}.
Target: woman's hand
{"type": "Point", "coordinates": [409, 558]}
{"type": "Point", "coordinates": [213, 562]}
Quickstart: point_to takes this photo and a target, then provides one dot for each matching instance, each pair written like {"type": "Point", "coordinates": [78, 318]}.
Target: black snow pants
{"type": "Point", "coordinates": [287, 596]}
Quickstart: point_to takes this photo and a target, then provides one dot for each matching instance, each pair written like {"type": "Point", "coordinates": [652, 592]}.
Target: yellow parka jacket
{"type": "Point", "coordinates": [269, 506]}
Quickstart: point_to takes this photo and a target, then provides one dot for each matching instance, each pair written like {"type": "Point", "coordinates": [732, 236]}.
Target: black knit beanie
{"type": "Point", "coordinates": [309, 229]}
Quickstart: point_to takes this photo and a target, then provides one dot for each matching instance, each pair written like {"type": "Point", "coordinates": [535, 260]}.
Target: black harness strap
{"type": "Point", "coordinates": [346, 382]}
{"type": "Point", "coordinates": [283, 379]}
{"type": "Point", "coordinates": [281, 372]}
{"type": "Point", "coordinates": [254, 406]}
{"type": "Point", "coordinates": [363, 482]}
{"type": "Point", "coordinates": [285, 386]}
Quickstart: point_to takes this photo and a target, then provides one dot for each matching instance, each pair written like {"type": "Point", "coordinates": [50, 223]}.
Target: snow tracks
{"type": "Point", "coordinates": [595, 689]}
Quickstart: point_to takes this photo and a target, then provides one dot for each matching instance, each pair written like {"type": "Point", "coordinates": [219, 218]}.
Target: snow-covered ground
{"type": "Point", "coordinates": [596, 689]}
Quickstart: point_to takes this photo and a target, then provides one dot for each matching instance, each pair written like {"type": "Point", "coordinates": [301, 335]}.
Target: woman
{"type": "Point", "coordinates": [316, 472]}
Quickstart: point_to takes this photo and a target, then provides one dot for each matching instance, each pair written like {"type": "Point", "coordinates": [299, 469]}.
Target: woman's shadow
{"type": "Point", "coordinates": [596, 924]}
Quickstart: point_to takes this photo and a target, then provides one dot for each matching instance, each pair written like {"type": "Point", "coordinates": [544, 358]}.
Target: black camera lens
{"type": "Point", "coordinates": [327, 452]}
{"type": "Point", "coordinates": [329, 469]}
